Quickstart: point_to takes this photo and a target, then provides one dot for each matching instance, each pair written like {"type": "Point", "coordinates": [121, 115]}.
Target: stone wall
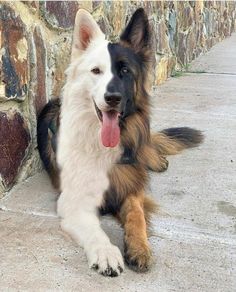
{"type": "Point", "coordinates": [35, 40]}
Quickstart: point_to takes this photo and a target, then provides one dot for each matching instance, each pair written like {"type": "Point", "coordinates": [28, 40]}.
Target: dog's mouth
{"type": "Point", "coordinates": [110, 132]}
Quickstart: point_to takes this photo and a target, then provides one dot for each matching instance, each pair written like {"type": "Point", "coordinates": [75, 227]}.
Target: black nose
{"type": "Point", "coordinates": [112, 98]}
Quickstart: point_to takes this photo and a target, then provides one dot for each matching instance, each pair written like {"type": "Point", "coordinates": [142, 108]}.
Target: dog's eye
{"type": "Point", "coordinates": [96, 71]}
{"type": "Point", "coordinates": [124, 70]}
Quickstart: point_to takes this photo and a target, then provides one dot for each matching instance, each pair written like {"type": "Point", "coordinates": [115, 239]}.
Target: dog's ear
{"type": "Point", "coordinates": [137, 32]}
{"type": "Point", "coordinates": [86, 29]}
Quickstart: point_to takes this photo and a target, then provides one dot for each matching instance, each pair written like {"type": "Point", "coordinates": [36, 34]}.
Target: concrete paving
{"type": "Point", "coordinates": [220, 59]}
{"type": "Point", "coordinates": [193, 236]}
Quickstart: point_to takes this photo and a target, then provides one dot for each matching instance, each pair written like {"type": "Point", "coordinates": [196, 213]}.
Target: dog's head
{"type": "Point", "coordinates": [115, 74]}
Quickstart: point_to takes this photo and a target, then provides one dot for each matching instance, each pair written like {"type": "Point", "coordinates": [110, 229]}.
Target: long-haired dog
{"type": "Point", "coordinates": [104, 147]}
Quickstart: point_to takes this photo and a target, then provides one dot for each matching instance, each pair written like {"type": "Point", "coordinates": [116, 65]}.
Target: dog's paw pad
{"type": "Point", "coordinates": [110, 272]}
{"type": "Point", "coordinates": [107, 260]}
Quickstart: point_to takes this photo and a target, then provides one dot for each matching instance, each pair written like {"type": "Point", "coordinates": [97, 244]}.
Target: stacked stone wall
{"type": "Point", "coordinates": [35, 42]}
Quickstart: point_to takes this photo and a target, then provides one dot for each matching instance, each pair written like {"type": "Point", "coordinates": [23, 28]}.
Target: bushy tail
{"type": "Point", "coordinates": [48, 123]}
{"type": "Point", "coordinates": [172, 141]}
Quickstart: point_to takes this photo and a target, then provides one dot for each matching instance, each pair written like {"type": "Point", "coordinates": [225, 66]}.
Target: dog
{"type": "Point", "coordinates": [96, 143]}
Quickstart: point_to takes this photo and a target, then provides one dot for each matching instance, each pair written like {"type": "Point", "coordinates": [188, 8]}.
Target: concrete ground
{"type": "Point", "coordinates": [194, 236]}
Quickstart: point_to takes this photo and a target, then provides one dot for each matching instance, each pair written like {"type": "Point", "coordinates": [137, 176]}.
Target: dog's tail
{"type": "Point", "coordinates": [48, 123]}
{"type": "Point", "coordinates": [172, 141]}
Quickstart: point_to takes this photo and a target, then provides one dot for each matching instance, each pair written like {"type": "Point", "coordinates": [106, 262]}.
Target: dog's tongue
{"type": "Point", "coordinates": [110, 133]}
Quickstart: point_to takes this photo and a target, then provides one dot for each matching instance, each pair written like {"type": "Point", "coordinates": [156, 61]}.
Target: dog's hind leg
{"type": "Point", "coordinates": [154, 161]}
{"type": "Point", "coordinates": [132, 216]}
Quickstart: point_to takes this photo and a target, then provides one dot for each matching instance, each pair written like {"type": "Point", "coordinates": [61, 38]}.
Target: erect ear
{"type": "Point", "coordinates": [86, 29]}
{"type": "Point", "coordinates": [137, 32]}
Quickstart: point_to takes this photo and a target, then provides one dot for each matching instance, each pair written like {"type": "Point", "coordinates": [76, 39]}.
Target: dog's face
{"type": "Point", "coordinates": [114, 74]}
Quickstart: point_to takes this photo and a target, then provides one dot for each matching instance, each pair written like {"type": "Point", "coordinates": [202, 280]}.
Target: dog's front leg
{"type": "Point", "coordinates": [137, 250]}
{"type": "Point", "coordinates": [84, 226]}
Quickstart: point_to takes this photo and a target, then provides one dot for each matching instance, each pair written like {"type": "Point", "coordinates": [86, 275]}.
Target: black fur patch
{"type": "Point", "coordinates": [128, 156]}
{"type": "Point", "coordinates": [47, 123]}
{"type": "Point", "coordinates": [112, 203]}
{"type": "Point", "coordinates": [137, 33]}
{"type": "Point", "coordinates": [125, 68]}
{"type": "Point", "coordinates": [188, 136]}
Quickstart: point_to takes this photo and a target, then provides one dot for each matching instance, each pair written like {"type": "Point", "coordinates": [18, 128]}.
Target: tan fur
{"type": "Point", "coordinates": [127, 179]}
{"type": "Point", "coordinates": [132, 216]}
{"type": "Point", "coordinates": [136, 129]}
{"type": "Point", "coordinates": [165, 145]}
{"type": "Point", "coordinates": [150, 157]}
{"type": "Point", "coordinates": [150, 207]}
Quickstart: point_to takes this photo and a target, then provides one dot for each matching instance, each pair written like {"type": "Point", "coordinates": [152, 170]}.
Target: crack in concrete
{"type": "Point", "coordinates": [203, 72]}
{"type": "Point", "coordinates": [166, 230]}
{"type": "Point", "coordinates": [32, 213]}
{"type": "Point", "coordinates": [187, 234]}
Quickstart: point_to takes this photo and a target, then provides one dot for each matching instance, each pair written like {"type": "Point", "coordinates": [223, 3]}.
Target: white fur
{"type": "Point", "coordinates": [83, 160]}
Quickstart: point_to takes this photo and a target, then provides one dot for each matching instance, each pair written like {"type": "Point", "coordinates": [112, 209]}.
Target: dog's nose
{"type": "Point", "coordinates": [112, 98]}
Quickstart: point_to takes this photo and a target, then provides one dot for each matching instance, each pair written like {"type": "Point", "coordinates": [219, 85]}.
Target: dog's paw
{"type": "Point", "coordinates": [138, 256]}
{"type": "Point", "coordinates": [164, 163]}
{"type": "Point", "coordinates": [107, 260]}
{"type": "Point", "coordinates": [159, 164]}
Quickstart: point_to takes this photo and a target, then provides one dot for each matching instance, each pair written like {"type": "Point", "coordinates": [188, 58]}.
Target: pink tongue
{"type": "Point", "coordinates": [110, 133]}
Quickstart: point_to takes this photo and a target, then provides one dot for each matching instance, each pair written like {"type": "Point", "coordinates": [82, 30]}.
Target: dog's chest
{"type": "Point", "coordinates": [84, 179]}
{"type": "Point", "coordinates": [84, 162]}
